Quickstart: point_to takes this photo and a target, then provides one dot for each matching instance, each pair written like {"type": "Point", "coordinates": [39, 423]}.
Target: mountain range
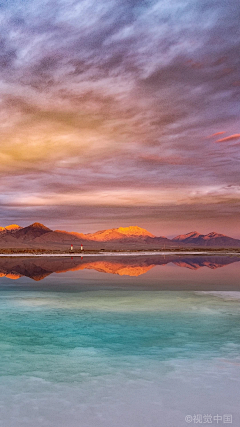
{"type": "Point", "coordinates": [38, 236]}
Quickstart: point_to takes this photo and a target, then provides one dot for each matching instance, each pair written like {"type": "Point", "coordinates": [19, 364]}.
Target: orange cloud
{"type": "Point", "coordinates": [229, 138]}
{"type": "Point", "coordinates": [216, 134]}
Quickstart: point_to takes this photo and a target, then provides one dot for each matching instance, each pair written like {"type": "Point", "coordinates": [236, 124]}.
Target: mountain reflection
{"type": "Point", "coordinates": [37, 268]}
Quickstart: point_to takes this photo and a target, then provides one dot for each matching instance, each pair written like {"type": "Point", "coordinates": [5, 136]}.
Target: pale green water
{"type": "Point", "coordinates": [117, 357]}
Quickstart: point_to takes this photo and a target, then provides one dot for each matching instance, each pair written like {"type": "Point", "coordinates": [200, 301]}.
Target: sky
{"type": "Point", "coordinates": [120, 112]}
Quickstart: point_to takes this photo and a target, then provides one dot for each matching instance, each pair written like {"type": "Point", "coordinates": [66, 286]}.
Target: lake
{"type": "Point", "coordinates": [143, 341]}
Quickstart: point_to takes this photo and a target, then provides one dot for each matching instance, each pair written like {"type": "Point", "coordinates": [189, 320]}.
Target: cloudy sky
{"type": "Point", "coordinates": [120, 112]}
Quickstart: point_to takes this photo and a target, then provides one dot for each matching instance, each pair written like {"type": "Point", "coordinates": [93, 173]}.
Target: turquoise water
{"type": "Point", "coordinates": [117, 357]}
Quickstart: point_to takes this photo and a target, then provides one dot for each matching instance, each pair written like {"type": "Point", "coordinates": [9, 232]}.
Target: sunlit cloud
{"type": "Point", "coordinates": [112, 104]}
{"type": "Point", "coordinates": [217, 134]}
{"type": "Point", "coordinates": [229, 138]}
{"type": "Point", "coordinates": [132, 197]}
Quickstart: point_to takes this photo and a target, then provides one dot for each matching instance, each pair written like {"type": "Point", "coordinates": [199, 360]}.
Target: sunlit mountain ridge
{"type": "Point", "coordinates": [116, 234]}
{"type": "Point", "coordinates": [38, 235]}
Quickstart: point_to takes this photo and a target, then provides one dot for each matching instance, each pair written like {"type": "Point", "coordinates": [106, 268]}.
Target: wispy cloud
{"type": "Point", "coordinates": [229, 138]}
{"type": "Point", "coordinates": [118, 95]}
{"type": "Point", "coordinates": [217, 134]}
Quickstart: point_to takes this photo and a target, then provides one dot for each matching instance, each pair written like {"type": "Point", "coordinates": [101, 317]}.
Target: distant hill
{"type": "Point", "coordinates": [32, 231]}
{"type": "Point", "coordinates": [38, 235]}
{"type": "Point", "coordinates": [213, 240]}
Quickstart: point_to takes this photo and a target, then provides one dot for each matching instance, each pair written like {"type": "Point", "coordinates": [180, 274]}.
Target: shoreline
{"type": "Point", "coordinates": [85, 254]}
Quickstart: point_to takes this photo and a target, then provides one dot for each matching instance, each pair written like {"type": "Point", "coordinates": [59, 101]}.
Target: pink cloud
{"type": "Point", "coordinates": [216, 134]}
{"type": "Point", "coordinates": [154, 159]}
{"type": "Point", "coordinates": [229, 138]}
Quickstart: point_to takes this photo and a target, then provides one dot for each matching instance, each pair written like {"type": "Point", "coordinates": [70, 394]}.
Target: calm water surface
{"type": "Point", "coordinates": [86, 348]}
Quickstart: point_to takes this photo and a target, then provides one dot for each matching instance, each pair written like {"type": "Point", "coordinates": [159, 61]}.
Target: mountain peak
{"type": "Point", "coordinates": [192, 235]}
{"type": "Point", "coordinates": [32, 231]}
{"type": "Point", "coordinates": [119, 234]}
{"type": "Point", "coordinates": [12, 227]}
{"type": "Point", "coordinates": [134, 231]}
{"type": "Point", "coordinates": [40, 226]}
{"type": "Point", "coordinates": [213, 235]}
